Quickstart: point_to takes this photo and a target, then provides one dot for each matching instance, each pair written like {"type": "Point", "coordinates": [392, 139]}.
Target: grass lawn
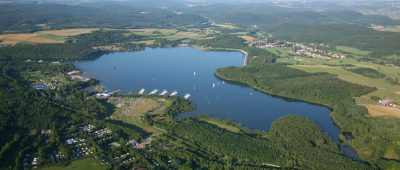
{"type": "Point", "coordinates": [84, 164]}
{"type": "Point", "coordinates": [149, 105]}
{"type": "Point", "coordinates": [352, 50]}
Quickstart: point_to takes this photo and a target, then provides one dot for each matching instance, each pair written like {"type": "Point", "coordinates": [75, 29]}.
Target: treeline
{"type": "Point", "coordinates": [179, 105]}
{"type": "Point", "coordinates": [293, 142]}
{"type": "Point", "coordinates": [377, 134]}
{"type": "Point", "coordinates": [222, 41]}
{"type": "Point", "coordinates": [368, 72]}
{"type": "Point", "coordinates": [260, 56]}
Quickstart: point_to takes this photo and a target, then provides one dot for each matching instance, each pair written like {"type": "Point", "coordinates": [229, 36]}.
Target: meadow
{"type": "Point", "coordinates": [83, 164]}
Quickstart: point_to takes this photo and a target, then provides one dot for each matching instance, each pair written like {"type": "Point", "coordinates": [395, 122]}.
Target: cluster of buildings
{"type": "Point", "coordinates": [299, 49]}
{"type": "Point", "coordinates": [136, 145]}
{"type": "Point", "coordinates": [124, 159]}
{"type": "Point", "coordinates": [304, 50]}
{"type": "Point", "coordinates": [395, 28]}
{"type": "Point", "coordinates": [267, 43]}
{"type": "Point", "coordinates": [79, 147]}
{"type": "Point", "coordinates": [102, 133]}
{"type": "Point", "coordinates": [87, 128]}
{"type": "Point", "coordinates": [386, 102]}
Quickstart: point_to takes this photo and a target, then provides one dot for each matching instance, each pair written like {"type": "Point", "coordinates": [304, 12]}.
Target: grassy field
{"type": "Point", "coordinates": [281, 51]}
{"type": "Point", "coordinates": [84, 164]}
{"type": "Point", "coordinates": [352, 50]}
{"type": "Point", "coordinates": [131, 113]}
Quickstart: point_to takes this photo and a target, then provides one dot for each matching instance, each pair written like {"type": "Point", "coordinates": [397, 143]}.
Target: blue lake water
{"type": "Point", "coordinates": [188, 70]}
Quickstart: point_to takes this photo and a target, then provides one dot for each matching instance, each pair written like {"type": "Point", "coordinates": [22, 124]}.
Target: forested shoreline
{"type": "Point", "coordinates": [325, 89]}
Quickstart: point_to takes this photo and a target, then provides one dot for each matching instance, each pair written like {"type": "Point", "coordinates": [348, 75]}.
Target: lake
{"type": "Point", "coordinates": [188, 70]}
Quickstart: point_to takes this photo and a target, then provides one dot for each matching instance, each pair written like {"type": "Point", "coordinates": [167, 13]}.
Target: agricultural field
{"type": "Point", "coordinates": [379, 110]}
{"type": "Point", "coordinates": [68, 32]}
{"type": "Point", "coordinates": [84, 164]}
{"type": "Point", "coordinates": [342, 67]}
{"type": "Point", "coordinates": [52, 36]}
{"type": "Point", "coordinates": [248, 38]}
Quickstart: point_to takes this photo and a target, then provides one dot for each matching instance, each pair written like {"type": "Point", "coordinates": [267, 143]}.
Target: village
{"type": "Point", "coordinates": [300, 49]}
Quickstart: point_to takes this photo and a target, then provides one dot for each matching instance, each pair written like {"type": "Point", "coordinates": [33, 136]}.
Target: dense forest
{"type": "Point", "coordinates": [32, 17]}
{"type": "Point", "coordinates": [266, 14]}
{"type": "Point", "coordinates": [380, 44]}
{"type": "Point", "coordinates": [293, 142]}
{"type": "Point", "coordinates": [377, 134]}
